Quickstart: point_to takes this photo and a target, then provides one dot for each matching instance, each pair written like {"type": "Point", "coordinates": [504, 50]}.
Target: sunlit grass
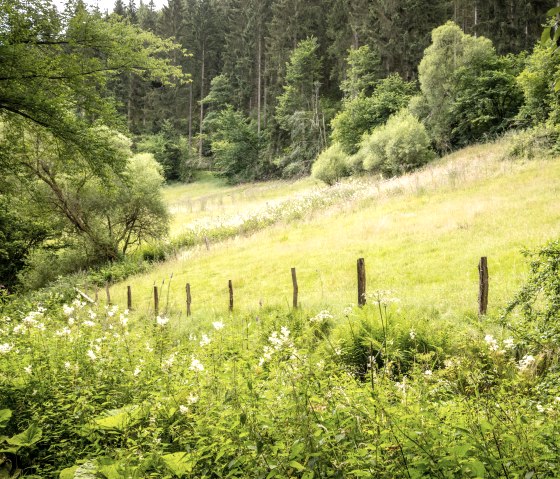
{"type": "Point", "coordinates": [422, 238]}
{"type": "Point", "coordinates": [211, 197]}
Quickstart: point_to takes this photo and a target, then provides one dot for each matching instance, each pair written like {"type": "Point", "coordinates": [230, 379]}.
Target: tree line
{"type": "Point", "coordinates": [254, 108]}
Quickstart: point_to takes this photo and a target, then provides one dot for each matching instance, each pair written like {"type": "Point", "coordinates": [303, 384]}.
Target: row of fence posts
{"type": "Point", "coordinates": [361, 270]}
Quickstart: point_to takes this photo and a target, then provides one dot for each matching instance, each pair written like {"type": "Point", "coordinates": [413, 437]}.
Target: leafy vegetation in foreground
{"type": "Point", "coordinates": [92, 391]}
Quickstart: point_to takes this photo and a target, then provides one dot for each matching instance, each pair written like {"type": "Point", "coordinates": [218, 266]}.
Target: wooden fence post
{"type": "Point", "coordinates": [96, 294]}
{"type": "Point", "coordinates": [483, 286]}
{"type": "Point", "coordinates": [361, 282]}
{"type": "Point", "coordinates": [188, 299]}
{"type": "Point", "coordinates": [230, 286]}
{"type": "Point", "coordinates": [295, 285]}
{"type": "Point", "coordinates": [156, 301]}
{"type": "Point", "coordinates": [129, 298]}
{"type": "Point", "coordinates": [108, 294]}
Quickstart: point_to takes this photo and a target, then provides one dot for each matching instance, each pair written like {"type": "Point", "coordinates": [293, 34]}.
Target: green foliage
{"type": "Point", "coordinates": [362, 113]}
{"type": "Point", "coordinates": [298, 111]}
{"type": "Point", "coordinates": [75, 55]}
{"type": "Point", "coordinates": [363, 72]}
{"type": "Point", "coordinates": [451, 50]}
{"type": "Point", "coordinates": [533, 143]}
{"type": "Point", "coordinates": [538, 305]}
{"type": "Point", "coordinates": [106, 219]}
{"type": "Point", "coordinates": [330, 166]}
{"type": "Point", "coordinates": [236, 147]}
{"type": "Point", "coordinates": [487, 99]}
{"type": "Point", "coordinates": [172, 152]}
{"type": "Point", "coordinates": [399, 146]}
{"type": "Point", "coordinates": [536, 80]}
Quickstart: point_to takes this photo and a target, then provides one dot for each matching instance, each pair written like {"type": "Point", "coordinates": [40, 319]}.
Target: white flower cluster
{"type": "Point", "coordinates": [279, 341]}
{"type": "Point", "coordinates": [526, 362]}
{"type": "Point", "coordinates": [383, 297]}
{"type": "Point", "coordinates": [162, 321]}
{"type": "Point", "coordinates": [493, 344]}
{"type": "Point", "coordinates": [196, 365]}
{"type": "Point", "coordinates": [321, 317]}
{"type": "Point", "coordinates": [6, 348]}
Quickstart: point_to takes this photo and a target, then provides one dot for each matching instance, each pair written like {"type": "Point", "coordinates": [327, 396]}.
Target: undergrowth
{"type": "Point", "coordinates": [92, 391]}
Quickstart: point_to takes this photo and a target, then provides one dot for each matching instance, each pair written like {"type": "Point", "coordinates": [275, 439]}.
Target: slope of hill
{"type": "Point", "coordinates": [421, 236]}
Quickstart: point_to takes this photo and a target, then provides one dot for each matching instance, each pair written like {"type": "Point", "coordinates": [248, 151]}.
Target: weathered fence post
{"type": "Point", "coordinates": [295, 285]}
{"type": "Point", "coordinates": [96, 294]}
{"type": "Point", "coordinates": [188, 299]}
{"type": "Point", "coordinates": [207, 242]}
{"type": "Point", "coordinates": [156, 301]}
{"type": "Point", "coordinates": [361, 282]}
{"type": "Point", "coordinates": [230, 286]}
{"type": "Point", "coordinates": [129, 298]}
{"type": "Point", "coordinates": [108, 294]}
{"type": "Point", "coordinates": [483, 286]}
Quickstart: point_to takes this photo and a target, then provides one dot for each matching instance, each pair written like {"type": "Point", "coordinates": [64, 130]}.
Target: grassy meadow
{"type": "Point", "coordinates": [412, 385]}
{"type": "Point", "coordinates": [421, 236]}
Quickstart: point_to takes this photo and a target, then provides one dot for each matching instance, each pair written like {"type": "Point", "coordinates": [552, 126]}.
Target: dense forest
{"type": "Point", "coordinates": [270, 76]}
{"type": "Point", "coordinates": [249, 89]}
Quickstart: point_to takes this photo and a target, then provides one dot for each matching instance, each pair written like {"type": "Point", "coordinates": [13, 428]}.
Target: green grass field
{"type": "Point", "coordinates": [421, 238]}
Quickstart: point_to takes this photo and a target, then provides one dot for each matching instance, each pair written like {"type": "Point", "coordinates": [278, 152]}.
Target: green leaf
{"type": "Point", "coordinates": [553, 11]}
{"type": "Point", "coordinates": [26, 438]}
{"type": "Point", "coordinates": [477, 468]}
{"type": "Point", "coordinates": [119, 419]}
{"type": "Point", "coordinates": [5, 416]}
{"type": "Point", "coordinates": [545, 37]}
{"type": "Point", "coordinates": [297, 465]}
{"type": "Point", "coordinates": [68, 473]}
{"type": "Point", "coordinates": [179, 463]}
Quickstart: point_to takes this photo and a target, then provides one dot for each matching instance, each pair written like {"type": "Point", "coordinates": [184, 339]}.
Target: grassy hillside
{"type": "Point", "coordinates": [421, 236]}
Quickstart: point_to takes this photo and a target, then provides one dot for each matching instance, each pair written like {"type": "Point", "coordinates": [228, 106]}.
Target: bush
{"type": "Point", "coordinates": [330, 166]}
{"type": "Point", "coordinates": [401, 145]}
{"type": "Point", "coordinates": [361, 114]}
{"type": "Point", "coordinates": [540, 141]}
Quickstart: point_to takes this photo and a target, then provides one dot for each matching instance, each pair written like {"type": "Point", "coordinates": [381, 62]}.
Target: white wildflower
{"type": "Point", "coordinates": [193, 399]}
{"type": "Point", "coordinates": [28, 369]}
{"type": "Point", "coordinates": [205, 340]}
{"type": "Point", "coordinates": [149, 347]}
{"type": "Point", "coordinates": [67, 365]}
{"type": "Point", "coordinates": [168, 363]}
{"type": "Point", "coordinates": [123, 319]}
{"type": "Point", "coordinates": [218, 325]}
{"type": "Point", "coordinates": [526, 362]}
{"type": "Point", "coordinates": [68, 310]}
{"type": "Point", "coordinates": [509, 343]}
{"type": "Point", "coordinates": [89, 324]}
{"type": "Point", "coordinates": [540, 408]}
{"type": "Point", "coordinates": [428, 372]}
{"type": "Point", "coordinates": [183, 409]}
{"type": "Point", "coordinates": [347, 311]}
{"type": "Point", "coordinates": [92, 315]}
{"type": "Point", "coordinates": [71, 321]}
{"type": "Point", "coordinates": [491, 342]}
{"type": "Point", "coordinates": [321, 317]}
{"type": "Point", "coordinates": [137, 371]}
{"type": "Point", "coordinates": [162, 320]}
{"type": "Point", "coordinates": [6, 348]}
{"type": "Point", "coordinates": [196, 365]}
{"type": "Point", "coordinates": [412, 334]}
{"type": "Point", "coordinates": [91, 355]}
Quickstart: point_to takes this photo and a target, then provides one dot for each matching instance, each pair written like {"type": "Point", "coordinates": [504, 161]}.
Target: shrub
{"type": "Point", "coordinates": [542, 140]}
{"type": "Point", "coordinates": [399, 146]}
{"type": "Point", "coordinates": [361, 114]}
{"type": "Point", "coordinates": [330, 166]}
